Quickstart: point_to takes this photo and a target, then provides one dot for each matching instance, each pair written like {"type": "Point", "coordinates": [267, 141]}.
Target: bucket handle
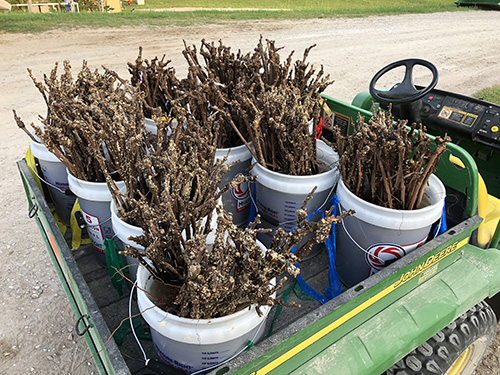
{"type": "Point", "coordinates": [41, 179]}
{"type": "Point", "coordinates": [354, 241]}
{"type": "Point", "coordinates": [440, 229]}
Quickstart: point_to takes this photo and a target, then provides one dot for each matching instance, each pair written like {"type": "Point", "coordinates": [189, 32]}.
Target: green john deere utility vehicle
{"type": "Point", "coordinates": [434, 311]}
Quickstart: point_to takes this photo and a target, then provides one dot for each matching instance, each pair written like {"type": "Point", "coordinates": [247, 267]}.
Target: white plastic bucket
{"type": "Point", "coordinates": [376, 235]}
{"type": "Point", "coordinates": [123, 231]}
{"type": "Point", "coordinates": [95, 199]}
{"type": "Point", "coordinates": [54, 174]}
{"type": "Point", "coordinates": [237, 200]}
{"type": "Point", "coordinates": [279, 196]}
{"type": "Point", "coordinates": [152, 128]}
{"type": "Point", "coordinates": [150, 125]}
{"type": "Point", "coordinates": [195, 344]}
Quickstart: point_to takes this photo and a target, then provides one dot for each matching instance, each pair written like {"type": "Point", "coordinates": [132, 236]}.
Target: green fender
{"type": "Point", "coordinates": [372, 348]}
{"type": "Point", "coordinates": [373, 331]}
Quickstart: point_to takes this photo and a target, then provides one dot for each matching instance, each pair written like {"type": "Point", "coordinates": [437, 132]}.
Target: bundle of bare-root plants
{"type": "Point", "coordinates": [204, 279]}
{"type": "Point", "coordinates": [95, 125]}
{"type": "Point", "coordinates": [387, 163]}
{"type": "Point", "coordinates": [222, 104]}
{"type": "Point", "coordinates": [270, 105]}
{"type": "Point", "coordinates": [92, 122]}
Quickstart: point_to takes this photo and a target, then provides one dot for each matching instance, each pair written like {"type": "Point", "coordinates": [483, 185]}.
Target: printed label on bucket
{"type": "Point", "coordinates": [290, 210]}
{"type": "Point", "coordinates": [241, 195]}
{"type": "Point", "coordinates": [285, 218]}
{"type": "Point", "coordinates": [181, 366]}
{"type": "Point", "coordinates": [213, 358]}
{"type": "Point", "coordinates": [94, 231]}
{"type": "Point", "coordinates": [62, 185]}
{"type": "Point", "coordinates": [199, 359]}
{"type": "Point", "coordinates": [54, 180]}
{"type": "Point", "coordinates": [380, 255]}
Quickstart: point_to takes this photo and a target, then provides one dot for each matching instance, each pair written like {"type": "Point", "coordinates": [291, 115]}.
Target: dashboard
{"type": "Point", "coordinates": [462, 116]}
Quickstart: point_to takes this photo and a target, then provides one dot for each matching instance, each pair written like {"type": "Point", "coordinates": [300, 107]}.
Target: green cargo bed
{"type": "Point", "coordinates": [364, 330]}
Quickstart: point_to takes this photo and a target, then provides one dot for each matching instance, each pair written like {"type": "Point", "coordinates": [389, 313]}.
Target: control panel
{"type": "Point", "coordinates": [462, 116]}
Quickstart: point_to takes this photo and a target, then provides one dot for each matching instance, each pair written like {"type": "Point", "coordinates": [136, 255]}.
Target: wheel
{"type": "Point", "coordinates": [404, 92]}
{"type": "Point", "coordinates": [456, 350]}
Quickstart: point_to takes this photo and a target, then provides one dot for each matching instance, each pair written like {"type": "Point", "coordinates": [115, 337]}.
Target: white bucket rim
{"type": "Point", "coordinates": [159, 319]}
{"type": "Point", "coordinates": [121, 227]}
{"type": "Point", "coordinates": [393, 218]}
{"type": "Point", "coordinates": [241, 153]}
{"type": "Point", "coordinates": [273, 180]}
{"type": "Point", "coordinates": [41, 152]}
{"type": "Point", "coordinates": [92, 191]}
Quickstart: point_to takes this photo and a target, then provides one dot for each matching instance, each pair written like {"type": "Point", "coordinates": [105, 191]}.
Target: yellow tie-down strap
{"type": "Point", "coordinates": [30, 160]}
{"type": "Point", "coordinates": [76, 231]}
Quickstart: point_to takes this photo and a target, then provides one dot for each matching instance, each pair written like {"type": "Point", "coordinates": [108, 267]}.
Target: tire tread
{"type": "Point", "coordinates": [436, 355]}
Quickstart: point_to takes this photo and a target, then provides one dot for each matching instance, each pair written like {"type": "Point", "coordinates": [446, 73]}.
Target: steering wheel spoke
{"type": "Point", "coordinates": [405, 91]}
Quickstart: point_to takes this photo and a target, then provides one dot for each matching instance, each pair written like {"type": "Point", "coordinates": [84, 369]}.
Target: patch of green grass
{"type": "Point", "coordinates": [22, 22]}
{"type": "Point", "coordinates": [490, 94]}
{"type": "Point", "coordinates": [291, 4]}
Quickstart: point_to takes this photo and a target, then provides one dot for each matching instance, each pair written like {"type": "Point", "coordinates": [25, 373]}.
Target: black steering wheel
{"type": "Point", "coordinates": [404, 92]}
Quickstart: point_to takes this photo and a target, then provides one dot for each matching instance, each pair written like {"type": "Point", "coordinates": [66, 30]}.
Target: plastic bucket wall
{"type": "Point", "coordinates": [266, 239]}
{"type": "Point", "coordinates": [54, 172]}
{"type": "Point", "coordinates": [385, 234]}
{"type": "Point", "coordinates": [123, 231]}
{"type": "Point", "coordinates": [95, 199]}
{"type": "Point", "coordinates": [195, 344]}
{"type": "Point", "coordinates": [152, 128]}
{"type": "Point", "coordinates": [237, 201]}
{"type": "Point", "coordinates": [279, 196]}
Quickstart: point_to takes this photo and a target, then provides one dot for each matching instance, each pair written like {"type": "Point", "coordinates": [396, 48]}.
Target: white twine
{"type": "Point", "coordinates": [146, 359]}
{"type": "Point", "coordinates": [40, 178]}
{"type": "Point", "coordinates": [328, 197]}
{"type": "Point", "coordinates": [354, 241]}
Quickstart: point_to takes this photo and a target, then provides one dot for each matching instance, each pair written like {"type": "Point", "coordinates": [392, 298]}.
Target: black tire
{"type": "Point", "coordinates": [456, 350]}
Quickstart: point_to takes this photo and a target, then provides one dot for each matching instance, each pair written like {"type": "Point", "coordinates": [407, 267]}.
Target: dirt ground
{"type": "Point", "coordinates": [36, 320]}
